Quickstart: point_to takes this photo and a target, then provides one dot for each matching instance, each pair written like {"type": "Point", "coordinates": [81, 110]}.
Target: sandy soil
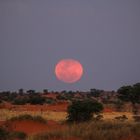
{"type": "Point", "coordinates": [32, 127]}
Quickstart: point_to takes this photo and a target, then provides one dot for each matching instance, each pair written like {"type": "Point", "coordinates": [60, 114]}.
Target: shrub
{"type": "Point", "coordinates": [95, 92]}
{"type": "Point", "coordinates": [136, 118]}
{"type": "Point", "coordinates": [20, 101]}
{"type": "Point", "coordinates": [37, 100]}
{"type": "Point", "coordinates": [39, 119]}
{"type": "Point", "coordinates": [18, 135]}
{"type": "Point", "coordinates": [3, 134]}
{"type": "Point", "coordinates": [29, 117]}
{"type": "Point", "coordinates": [61, 97]}
{"type": "Point", "coordinates": [121, 118]}
{"type": "Point", "coordinates": [80, 111]}
{"type": "Point", "coordinates": [50, 101]}
{"type": "Point", "coordinates": [98, 117]}
{"type": "Point", "coordinates": [22, 117]}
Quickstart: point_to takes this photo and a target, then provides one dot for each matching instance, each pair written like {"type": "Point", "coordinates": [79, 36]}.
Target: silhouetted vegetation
{"type": "Point", "coordinates": [136, 118]}
{"type": "Point", "coordinates": [112, 98]}
{"type": "Point", "coordinates": [28, 117]}
{"type": "Point", "coordinates": [20, 101]}
{"type": "Point", "coordinates": [3, 134]}
{"type": "Point", "coordinates": [36, 100]}
{"type": "Point", "coordinates": [130, 94]}
{"type": "Point", "coordinates": [121, 118]}
{"type": "Point", "coordinates": [95, 92]}
{"type": "Point", "coordinates": [17, 135]}
{"type": "Point", "coordinates": [50, 100]}
{"type": "Point", "coordinates": [7, 135]}
{"type": "Point", "coordinates": [80, 111]}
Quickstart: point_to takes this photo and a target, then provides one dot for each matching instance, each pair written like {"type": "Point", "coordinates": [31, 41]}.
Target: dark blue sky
{"type": "Point", "coordinates": [104, 35]}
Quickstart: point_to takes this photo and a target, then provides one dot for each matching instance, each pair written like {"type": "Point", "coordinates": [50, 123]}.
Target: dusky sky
{"type": "Point", "coordinates": [104, 35]}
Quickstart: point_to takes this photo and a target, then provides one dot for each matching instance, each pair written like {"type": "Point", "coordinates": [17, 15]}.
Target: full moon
{"type": "Point", "coordinates": [69, 70]}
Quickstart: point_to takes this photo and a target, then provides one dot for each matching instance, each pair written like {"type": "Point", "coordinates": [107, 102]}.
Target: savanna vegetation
{"type": "Point", "coordinates": [80, 111]}
{"type": "Point", "coordinates": [7, 135]}
{"type": "Point", "coordinates": [95, 131]}
{"type": "Point", "coordinates": [87, 116]}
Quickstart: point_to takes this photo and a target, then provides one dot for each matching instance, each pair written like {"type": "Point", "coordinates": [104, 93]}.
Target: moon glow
{"type": "Point", "coordinates": [69, 70]}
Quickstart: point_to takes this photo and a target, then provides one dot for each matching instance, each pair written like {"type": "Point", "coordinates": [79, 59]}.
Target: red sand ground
{"type": "Point", "coordinates": [109, 110]}
{"type": "Point", "coordinates": [32, 127]}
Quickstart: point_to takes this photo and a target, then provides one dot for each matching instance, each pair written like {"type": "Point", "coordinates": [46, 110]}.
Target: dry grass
{"type": "Point", "coordinates": [57, 116]}
{"type": "Point", "coordinates": [103, 130]}
{"type": "Point", "coordinates": [106, 130]}
{"type": "Point", "coordinates": [48, 115]}
{"type": "Point", "coordinates": [112, 115]}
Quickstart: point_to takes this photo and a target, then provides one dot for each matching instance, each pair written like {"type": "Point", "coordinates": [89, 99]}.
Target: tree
{"type": "Point", "coordinates": [20, 101]}
{"type": "Point", "coordinates": [130, 94]}
{"type": "Point", "coordinates": [36, 99]}
{"type": "Point", "coordinates": [31, 91]}
{"type": "Point", "coordinates": [21, 91]}
{"type": "Point", "coordinates": [80, 111]}
{"type": "Point", "coordinates": [45, 91]}
{"type": "Point", "coordinates": [95, 92]}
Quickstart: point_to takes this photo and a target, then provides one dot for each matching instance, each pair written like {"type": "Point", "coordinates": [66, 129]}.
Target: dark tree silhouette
{"type": "Point", "coordinates": [130, 94]}
{"type": "Point", "coordinates": [80, 111]}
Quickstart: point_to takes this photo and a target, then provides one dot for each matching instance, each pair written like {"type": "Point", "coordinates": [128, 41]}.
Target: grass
{"type": "Point", "coordinates": [105, 130]}
{"type": "Point", "coordinates": [6, 114]}
{"type": "Point", "coordinates": [108, 129]}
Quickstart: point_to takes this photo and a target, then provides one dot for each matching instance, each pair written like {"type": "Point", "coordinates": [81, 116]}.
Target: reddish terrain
{"type": "Point", "coordinates": [60, 106]}
{"type": "Point", "coordinates": [108, 110]}
{"type": "Point", "coordinates": [32, 127]}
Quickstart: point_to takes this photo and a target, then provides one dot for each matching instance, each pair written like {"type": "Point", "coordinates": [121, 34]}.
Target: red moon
{"type": "Point", "coordinates": [69, 70]}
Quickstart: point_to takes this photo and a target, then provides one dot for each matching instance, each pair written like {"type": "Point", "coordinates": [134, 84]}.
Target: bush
{"type": "Point", "coordinates": [98, 117]}
{"type": "Point", "coordinates": [22, 117]}
{"type": "Point", "coordinates": [6, 135]}
{"type": "Point", "coordinates": [18, 135]}
{"type": "Point", "coordinates": [37, 100]}
{"type": "Point", "coordinates": [61, 97]}
{"type": "Point", "coordinates": [136, 118]}
{"type": "Point", "coordinates": [121, 118]}
{"type": "Point", "coordinates": [80, 111]}
{"type": "Point", "coordinates": [3, 134]}
{"type": "Point", "coordinates": [39, 119]}
{"type": "Point", "coordinates": [29, 117]}
{"type": "Point", "coordinates": [50, 101]}
{"type": "Point", "coordinates": [20, 101]}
